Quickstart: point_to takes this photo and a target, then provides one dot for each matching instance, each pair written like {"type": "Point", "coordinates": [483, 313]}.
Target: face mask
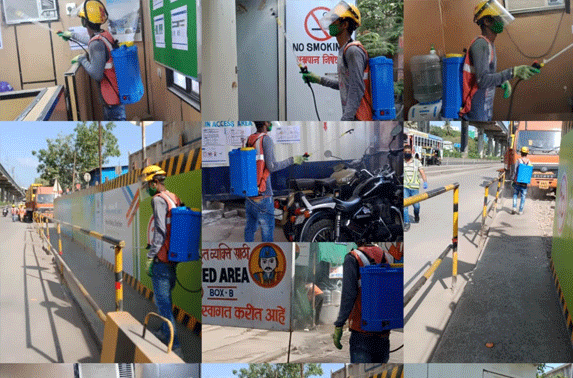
{"type": "Point", "coordinates": [333, 30]}
{"type": "Point", "coordinates": [151, 191]}
{"type": "Point", "coordinates": [497, 27]}
{"type": "Point", "coordinates": [407, 156]}
{"type": "Point", "coordinates": [270, 128]}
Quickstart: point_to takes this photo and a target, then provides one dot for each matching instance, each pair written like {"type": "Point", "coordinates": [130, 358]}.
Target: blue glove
{"type": "Point", "coordinates": [425, 185]}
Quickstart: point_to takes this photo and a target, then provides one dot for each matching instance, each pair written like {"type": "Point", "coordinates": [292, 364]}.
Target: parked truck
{"type": "Point", "coordinates": [39, 198]}
{"type": "Point", "coordinates": [543, 139]}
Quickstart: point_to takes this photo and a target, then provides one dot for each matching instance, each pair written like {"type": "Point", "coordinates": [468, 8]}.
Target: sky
{"type": "Point", "coordinates": [19, 139]}
{"type": "Point", "coordinates": [226, 370]}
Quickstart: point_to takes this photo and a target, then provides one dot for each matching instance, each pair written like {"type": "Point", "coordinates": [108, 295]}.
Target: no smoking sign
{"type": "Point", "coordinates": [312, 25]}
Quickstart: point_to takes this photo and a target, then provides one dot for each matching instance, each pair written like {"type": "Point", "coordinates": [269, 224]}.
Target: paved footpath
{"type": "Point", "coordinates": [511, 300]}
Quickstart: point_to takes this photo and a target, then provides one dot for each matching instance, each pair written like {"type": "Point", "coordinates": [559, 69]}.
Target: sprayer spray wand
{"type": "Point", "coordinates": [24, 16]}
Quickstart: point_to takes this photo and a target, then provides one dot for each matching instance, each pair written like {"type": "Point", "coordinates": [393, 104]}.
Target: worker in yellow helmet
{"type": "Point", "coordinates": [523, 170]}
{"type": "Point", "coordinates": [353, 68]}
{"type": "Point", "coordinates": [479, 73]}
{"type": "Point", "coordinates": [99, 65]}
{"type": "Point", "coordinates": [163, 272]}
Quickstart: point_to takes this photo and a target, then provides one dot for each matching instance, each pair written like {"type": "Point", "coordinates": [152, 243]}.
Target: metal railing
{"type": "Point", "coordinates": [117, 244]}
{"type": "Point", "coordinates": [493, 205]}
{"type": "Point", "coordinates": [452, 247]}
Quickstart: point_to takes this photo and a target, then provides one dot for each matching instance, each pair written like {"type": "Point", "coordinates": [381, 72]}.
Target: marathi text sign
{"type": "Point", "coordinates": [247, 285]}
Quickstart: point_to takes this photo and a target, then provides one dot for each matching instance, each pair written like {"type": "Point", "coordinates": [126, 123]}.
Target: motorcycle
{"type": "Point", "coordinates": [309, 193]}
{"type": "Point", "coordinates": [4, 212]}
{"type": "Point", "coordinates": [372, 213]}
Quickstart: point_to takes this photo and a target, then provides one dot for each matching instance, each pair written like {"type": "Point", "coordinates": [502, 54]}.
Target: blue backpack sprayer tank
{"type": "Point", "coordinates": [382, 297]}
{"type": "Point", "coordinates": [126, 65]}
{"type": "Point", "coordinates": [185, 234]}
{"type": "Point", "coordinates": [243, 172]}
{"type": "Point", "coordinates": [382, 81]}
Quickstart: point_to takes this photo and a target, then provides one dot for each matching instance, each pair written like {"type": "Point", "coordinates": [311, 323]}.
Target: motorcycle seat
{"type": "Point", "coordinates": [301, 184]}
{"type": "Point", "coordinates": [327, 183]}
{"type": "Point", "coordinates": [320, 201]}
{"type": "Point", "coordinates": [347, 206]}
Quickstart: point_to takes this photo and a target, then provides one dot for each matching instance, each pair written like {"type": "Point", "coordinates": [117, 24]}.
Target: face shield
{"type": "Point", "coordinates": [494, 9]}
{"type": "Point", "coordinates": [334, 14]}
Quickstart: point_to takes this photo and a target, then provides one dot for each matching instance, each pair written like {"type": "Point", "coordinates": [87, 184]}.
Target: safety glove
{"type": "Point", "coordinates": [65, 35]}
{"type": "Point", "coordinates": [311, 77]}
{"type": "Point", "coordinates": [524, 72]}
{"type": "Point", "coordinates": [299, 159]}
{"type": "Point", "coordinates": [336, 336]}
{"type": "Point", "coordinates": [506, 86]}
{"type": "Point", "coordinates": [149, 267]}
{"type": "Point", "coordinates": [78, 58]}
{"type": "Point", "coordinates": [425, 185]}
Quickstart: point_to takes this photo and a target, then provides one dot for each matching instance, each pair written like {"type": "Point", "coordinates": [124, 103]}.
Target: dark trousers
{"type": "Point", "coordinates": [368, 348]}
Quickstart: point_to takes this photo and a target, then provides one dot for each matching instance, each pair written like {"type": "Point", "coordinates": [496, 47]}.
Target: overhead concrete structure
{"type": "Point", "coordinates": [9, 190]}
{"type": "Point", "coordinates": [495, 130]}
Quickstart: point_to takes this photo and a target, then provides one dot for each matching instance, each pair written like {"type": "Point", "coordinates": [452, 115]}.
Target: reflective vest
{"type": "Point", "coordinates": [364, 112]}
{"type": "Point", "coordinates": [108, 85]}
{"type": "Point", "coordinates": [470, 86]}
{"type": "Point", "coordinates": [363, 255]}
{"type": "Point", "coordinates": [172, 201]}
{"type": "Point", "coordinates": [256, 141]}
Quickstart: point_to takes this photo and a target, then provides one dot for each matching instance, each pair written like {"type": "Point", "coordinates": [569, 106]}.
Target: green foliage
{"type": "Point", "coordinates": [385, 18]}
{"type": "Point", "coordinates": [540, 369]}
{"type": "Point", "coordinates": [57, 160]}
{"type": "Point", "coordinates": [42, 181]}
{"type": "Point", "coordinates": [279, 371]}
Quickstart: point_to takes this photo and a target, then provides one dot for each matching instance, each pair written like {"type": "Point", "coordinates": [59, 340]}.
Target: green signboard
{"type": "Point", "coordinates": [562, 248]}
{"type": "Point", "coordinates": [174, 28]}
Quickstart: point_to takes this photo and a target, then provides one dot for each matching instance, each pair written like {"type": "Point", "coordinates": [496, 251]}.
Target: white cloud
{"type": "Point", "coordinates": [28, 162]}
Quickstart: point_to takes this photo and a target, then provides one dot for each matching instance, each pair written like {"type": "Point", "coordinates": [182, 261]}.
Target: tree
{"type": "Point", "coordinates": [383, 21]}
{"type": "Point", "coordinates": [41, 181]}
{"type": "Point", "coordinates": [57, 160]}
{"type": "Point", "coordinates": [540, 370]}
{"type": "Point", "coordinates": [279, 371]}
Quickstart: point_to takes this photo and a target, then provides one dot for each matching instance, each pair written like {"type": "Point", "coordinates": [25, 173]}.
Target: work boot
{"type": "Point", "coordinates": [514, 210]}
{"type": "Point", "coordinates": [521, 212]}
{"type": "Point", "coordinates": [406, 227]}
{"type": "Point", "coordinates": [416, 218]}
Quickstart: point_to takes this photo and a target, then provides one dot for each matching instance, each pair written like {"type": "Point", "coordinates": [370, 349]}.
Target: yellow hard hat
{"type": "Point", "coordinates": [493, 9]}
{"type": "Point", "coordinates": [93, 11]}
{"type": "Point", "coordinates": [341, 10]}
{"type": "Point", "coordinates": [524, 150]}
{"type": "Point", "coordinates": [150, 171]}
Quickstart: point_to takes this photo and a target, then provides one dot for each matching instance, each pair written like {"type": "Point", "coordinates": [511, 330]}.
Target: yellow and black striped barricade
{"type": "Point", "coordinates": [396, 371]}
{"type": "Point", "coordinates": [118, 247]}
{"type": "Point", "coordinates": [500, 179]}
{"type": "Point", "coordinates": [452, 247]}
{"type": "Point", "coordinates": [124, 341]}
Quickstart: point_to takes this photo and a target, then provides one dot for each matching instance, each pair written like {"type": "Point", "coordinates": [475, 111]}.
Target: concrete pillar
{"type": "Point", "coordinates": [480, 141]}
{"type": "Point", "coordinates": [464, 138]}
{"type": "Point", "coordinates": [497, 147]}
{"type": "Point", "coordinates": [490, 142]}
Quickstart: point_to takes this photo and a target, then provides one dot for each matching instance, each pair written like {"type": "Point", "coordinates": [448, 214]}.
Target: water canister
{"type": "Point", "coordinates": [426, 77]}
{"type": "Point", "coordinates": [382, 80]}
{"type": "Point", "coordinates": [243, 172]}
{"type": "Point", "coordinates": [452, 86]}
{"type": "Point", "coordinates": [185, 234]}
{"type": "Point", "coordinates": [382, 298]}
{"type": "Point", "coordinates": [126, 64]}
{"type": "Point", "coordinates": [336, 296]}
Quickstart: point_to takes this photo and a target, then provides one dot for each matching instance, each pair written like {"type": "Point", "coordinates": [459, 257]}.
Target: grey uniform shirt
{"type": "Point", "coordinates": [349, 289]}
{"type": "Point", "coordinates": [98, 56]}
{"type": "Point", "coordinates": [270, 162]}
{"type": "Point", "coordinates": [487, 79]}
{"type": "Point", "coordinates": [160, 208]}
{"type": "Point", "coordinates": [350, 81]}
